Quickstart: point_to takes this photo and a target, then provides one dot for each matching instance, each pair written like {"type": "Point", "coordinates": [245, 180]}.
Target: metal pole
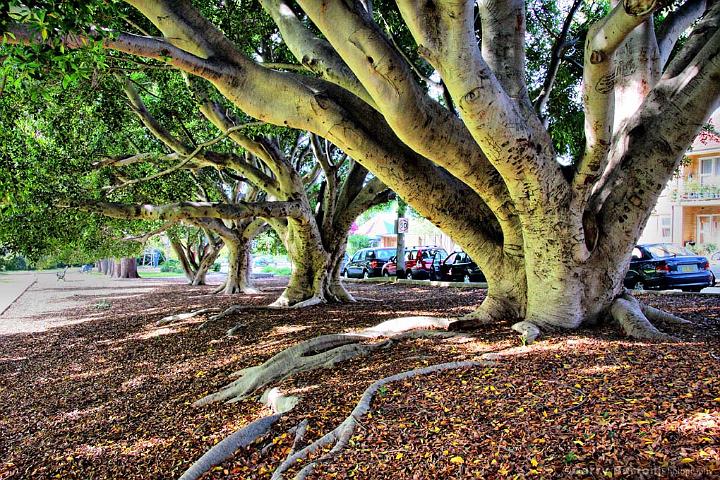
{"type": "Point", "coordinates": [400, 253]}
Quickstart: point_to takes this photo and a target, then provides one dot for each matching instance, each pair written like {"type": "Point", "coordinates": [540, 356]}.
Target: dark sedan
{"type": "Point", "coordinates": [367, 262]}
{"type": "Point", "coordinates": [664, 266]}
{"type": "Point", "coordinates": [459, 267]}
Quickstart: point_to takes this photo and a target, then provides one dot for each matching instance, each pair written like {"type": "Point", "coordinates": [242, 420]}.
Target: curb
{"type": "Point", "coordinates": [18, 297]}
{"type": "Point", "coordinates": [406, 281]}
{"type": "Point", "coordinates": [672, 292]}
{"type": "Point", "coordinates": [368, 280]}
{"type": "Point", "coordinates": [424, 283]}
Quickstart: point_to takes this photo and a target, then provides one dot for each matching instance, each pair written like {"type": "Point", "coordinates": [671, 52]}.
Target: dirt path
{"type": "Point", "coordinates": [12, 286]}
{"type": "Point", "coordinates": [50, 302]}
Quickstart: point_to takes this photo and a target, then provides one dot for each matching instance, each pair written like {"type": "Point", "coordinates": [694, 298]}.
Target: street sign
{"type": "Point", "coordinates": [402, 225]}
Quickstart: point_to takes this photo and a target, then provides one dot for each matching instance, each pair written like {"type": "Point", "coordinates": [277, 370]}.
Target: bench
{"type": "Point", "coordinates": [61, 275]}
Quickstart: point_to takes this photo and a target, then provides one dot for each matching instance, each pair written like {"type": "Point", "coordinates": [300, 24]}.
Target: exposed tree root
{"type": "Point", "coordinates": [300, 432]}
{"type": "Point", "coordinates": [366, 299]}
{"type": "Point", "coordinates": [236, 329]}
{"type": "Point", "coordinates": [231, 311]}
{"type": "Point", "coordinates": [472, 320]}
{"type": "Point", "coordinates": [340, 436]}
{"type": "Point", "coordinates": [657, 315]}
{"type": "Point", "coordinates": [529, 332]}
{"type": "Point", "coordinates": [278, 402]}
{"type": "Point", "coordinates": [227, 447]}
{"type": "Point", "coordinates": [247, 435]}
{"type": "Point", "coordinates": [628, 312]}
{"type": "Point", "coordinates": [183, 316]}
{"type": "Point", "coordinates": [392, 327]}
{"type": "Point", "coordinates": [219, 289]}
{"type": "Point", "coordinates": [316, 300]}
{"type": "Point", "coordinates": [324, 352]}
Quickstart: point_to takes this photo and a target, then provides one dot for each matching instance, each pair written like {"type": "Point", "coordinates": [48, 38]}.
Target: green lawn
{"type": "Point", "coordinates": [160, 274]}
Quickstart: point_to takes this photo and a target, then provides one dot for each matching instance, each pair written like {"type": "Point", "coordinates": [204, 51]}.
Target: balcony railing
{"type": "Point", "coordinates": [695, 193]}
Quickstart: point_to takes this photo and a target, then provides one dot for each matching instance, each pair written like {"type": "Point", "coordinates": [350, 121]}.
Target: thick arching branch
{"type": "Point", "coordinates": [701, 34]}
{"type": "Point", "coordinates": [188, 210]}
{"type": "Point", "coordinates": [315, 53]}
{"type": "Point", "coordinates": [215, 225]}
{"type": "Point", "coordinates": [421, 123]}
{"type": "Point", "coordinates": [676, 23]}
{"type": "Point", "coordinates": [318, 106]}
{"type": "Point", "coordinates": [503, 44]}
{"type": "Point", "coordinates": [653, 142]}
{"type": "Point", "coordinates": [446, 34]}
{"type": "Point", "coordinates": [598, 88]}
{"type": "Point", "coordinates": [677, 84]}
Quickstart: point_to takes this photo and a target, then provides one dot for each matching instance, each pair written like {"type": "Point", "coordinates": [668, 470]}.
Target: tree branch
{"type": "Point", "coordinates": [147, 236]}
{"type": "Point", "coordinates": [315, 54]}
{"type": "Point", "coordinates": [503, 44]}
{"type": "Point", "coordinates": [419, 121]}
{"type": "Point", "coordinates": [557, 54]}
{"type": "Point", "coordinates": [700, 35]}
{"type": "Point", "coordinates": [654, 140]}
{"type": "Point", "coordinates": [192, 210]}
{"type": "Point", "coordinates": [491, 116]}
{"type": "Point", "coordinates": [675, 24]}
{"type": "Point", "coordinates": [598, 87]}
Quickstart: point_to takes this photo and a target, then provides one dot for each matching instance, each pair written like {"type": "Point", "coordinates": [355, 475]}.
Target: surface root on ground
{"type": "Point", "coordinates": [183, 316]}
{"type": "Point", "coordinates": [629, 313]}
{"type": "Point", "coordinates": [340, 436]}
{"type": "Point", "coordinates": [227, 447]}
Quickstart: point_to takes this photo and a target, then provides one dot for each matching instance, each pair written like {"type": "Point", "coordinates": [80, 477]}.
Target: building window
{"type": "Point", "coordinates": [708, 229]}
{"type": "Point", "coordinates": [666, 227]}
{"type": "Point", "coordinates": [709, 170]}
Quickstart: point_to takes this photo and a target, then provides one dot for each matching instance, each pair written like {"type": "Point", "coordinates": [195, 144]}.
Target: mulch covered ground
{"type": "Point", "coordinates": [111, 397]}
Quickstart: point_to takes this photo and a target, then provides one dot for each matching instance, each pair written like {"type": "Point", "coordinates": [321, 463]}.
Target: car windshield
{"type": "Point", "coordinates": [669, 250]}
{"type": "Point", "coordinates": [385, 253]}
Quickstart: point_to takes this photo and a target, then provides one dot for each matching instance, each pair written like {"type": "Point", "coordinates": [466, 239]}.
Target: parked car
{"type": "Point", "coordinates": [344, 262]}
{"type": "Point", "coordinates": [664, 266]}
{"type": "Point", "coordinates": [715, 264]}
{"type": "Point", "coordinates": [459, 267]}
{"type": "Point", "coordinates": [367, 262]}
{"type": "Point", "coordinates": [426, 264]}
{"type": "Point", "coordinates": [390, 267]}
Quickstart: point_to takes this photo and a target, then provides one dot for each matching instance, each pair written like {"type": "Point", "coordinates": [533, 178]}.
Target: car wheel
{"type": "Point", "coordinates": [366, 274]}
{"type": "Point", "coordinates": [640, 286]}
{"type": "Point", "coordinates": [345, 274]}
{"type": "Point", "coordinates": [408, 275]}
{"type": "Point", "coordinates": [466, 278]}
{"type": "Point", "coordinates": [386, 274]}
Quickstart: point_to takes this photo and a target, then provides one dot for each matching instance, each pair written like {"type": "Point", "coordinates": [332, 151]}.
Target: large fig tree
{"type": "Point", "coordinates": [553, 241]}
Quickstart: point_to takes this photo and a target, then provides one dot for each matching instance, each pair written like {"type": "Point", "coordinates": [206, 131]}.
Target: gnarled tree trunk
{"type": "Point", "coordinates": [239, 271]}
{"type": "Point", "coordinates": [125, 267]}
